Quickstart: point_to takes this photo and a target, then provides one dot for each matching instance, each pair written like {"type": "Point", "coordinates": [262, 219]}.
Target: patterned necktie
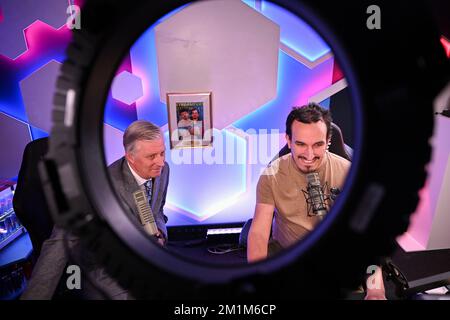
{"type": "Point", "coordinates": [148, 189]}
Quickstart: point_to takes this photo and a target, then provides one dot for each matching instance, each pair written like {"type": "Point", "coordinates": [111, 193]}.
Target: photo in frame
{"type": "Point", "coordinates": [190, 120]}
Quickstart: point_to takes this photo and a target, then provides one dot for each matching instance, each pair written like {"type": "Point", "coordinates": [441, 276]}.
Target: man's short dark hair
{"type": "Point", "coordinates": [310, 113]}
{"type": "Point", "coordinates": [196, 109]}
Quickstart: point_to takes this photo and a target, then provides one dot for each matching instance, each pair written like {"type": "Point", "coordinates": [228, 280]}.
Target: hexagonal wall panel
{"type": "Point", "coordinates": [199, 197]}
{"type": "Point", "coordinates": [37, 94]}
{"type": "Point", "coordinates": [112, 141]}
{"type": "Point", "coordinates": [14, 136]}
{"type": "Point", "coordinates": [19, 14]}
{"type": "Point", "coordinates": [223, 46]}
{"type": "Point", "coordinates": [127, 87]}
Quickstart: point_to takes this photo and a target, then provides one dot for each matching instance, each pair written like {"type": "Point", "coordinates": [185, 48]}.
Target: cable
{"type": "Point", "coordinates": [224, 248]}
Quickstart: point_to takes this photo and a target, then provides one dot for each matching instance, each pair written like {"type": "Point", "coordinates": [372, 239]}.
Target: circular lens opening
{"type": "Point", "coordinates": [221, 94]}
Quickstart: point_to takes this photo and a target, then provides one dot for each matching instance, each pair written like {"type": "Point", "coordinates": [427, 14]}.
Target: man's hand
{"type": "Point", "coordinates": [377, 295]}
{"type": "Point", "coordinates": [160, 238]}
{"type": "Point", "coordinates": [375, 286]}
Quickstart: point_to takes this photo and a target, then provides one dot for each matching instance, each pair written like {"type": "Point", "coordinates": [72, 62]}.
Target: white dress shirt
{"type": "Point", "coordinates": [139, 180]}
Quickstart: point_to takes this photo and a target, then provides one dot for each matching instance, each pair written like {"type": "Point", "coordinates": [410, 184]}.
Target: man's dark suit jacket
{"type": "Point", "coordinates": [125, 185]}
{"type": "Point", "coordinates": [53, 259]}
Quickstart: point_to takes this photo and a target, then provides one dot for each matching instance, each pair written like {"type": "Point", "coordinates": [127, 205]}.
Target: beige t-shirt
{"type": "Point", "coordinates": [281, 185]}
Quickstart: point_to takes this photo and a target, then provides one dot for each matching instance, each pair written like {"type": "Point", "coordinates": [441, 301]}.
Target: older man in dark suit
{"type": "Point", "coordinates": [142, 168]}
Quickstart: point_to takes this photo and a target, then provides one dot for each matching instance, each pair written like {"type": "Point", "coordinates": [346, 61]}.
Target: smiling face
{"type": "Point", "coordinates": [147, 158]}
{"type": "Point", "coordinates": [195, 114]}
{"type": "Point", "coordinates": [308, 144]}
{"type": "Point", "coordinates": [184, 115]}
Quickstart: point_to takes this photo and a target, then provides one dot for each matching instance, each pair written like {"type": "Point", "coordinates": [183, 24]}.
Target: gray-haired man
{"type": "Point", "coordinates": [143, 166]}
{"type": "Point", "coordinates": [143, 163]}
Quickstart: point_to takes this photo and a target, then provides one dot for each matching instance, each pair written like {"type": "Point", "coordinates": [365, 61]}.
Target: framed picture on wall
{"type": "Point", "coordinates": [190, 120]}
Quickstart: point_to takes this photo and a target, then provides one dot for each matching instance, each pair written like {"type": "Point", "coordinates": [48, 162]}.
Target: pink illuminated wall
{"type": "Point", "coordinates": [430, 224]}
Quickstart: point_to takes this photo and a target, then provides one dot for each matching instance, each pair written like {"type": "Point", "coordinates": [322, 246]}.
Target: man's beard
{"type": "Point", "coordinates": [309, 169]}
